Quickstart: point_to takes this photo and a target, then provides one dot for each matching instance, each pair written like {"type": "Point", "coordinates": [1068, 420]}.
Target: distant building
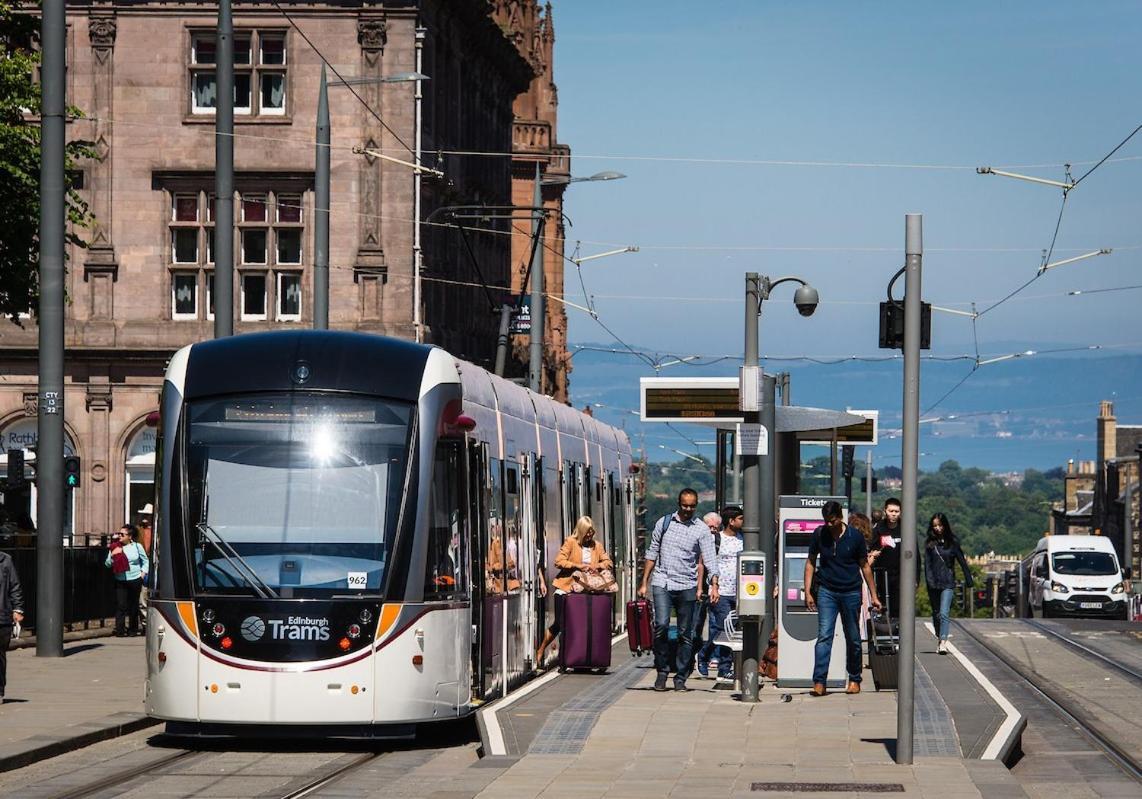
{"type": "Point", "coordinates": [1102, 497]}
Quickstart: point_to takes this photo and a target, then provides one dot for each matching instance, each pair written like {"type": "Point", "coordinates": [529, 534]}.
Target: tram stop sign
{"type": "Point", "coordinates": [521, 317]}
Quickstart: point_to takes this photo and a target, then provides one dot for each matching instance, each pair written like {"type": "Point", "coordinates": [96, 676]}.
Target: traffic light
{"type": "Point", "coordinates": [983, 593]}
{"type": "Point", "coordinates": [71, 471]}
{"type": "Point", "coordinates": [847, 453]}
{"type": "Point", "coordinates": [16, 479]}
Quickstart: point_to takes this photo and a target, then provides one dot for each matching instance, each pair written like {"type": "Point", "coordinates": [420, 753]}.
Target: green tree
{"type": "Point", "coordinates": [20, 164]}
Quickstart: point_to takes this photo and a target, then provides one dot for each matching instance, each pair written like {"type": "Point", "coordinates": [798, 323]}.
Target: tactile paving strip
{"type": "Point", "coordinates": [567, 728]}
{"type": "Point", "coordinates": [933, 731]}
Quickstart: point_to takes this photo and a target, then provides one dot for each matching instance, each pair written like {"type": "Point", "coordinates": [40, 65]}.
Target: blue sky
{"type": "Point", "coordinates": [1029, 86]}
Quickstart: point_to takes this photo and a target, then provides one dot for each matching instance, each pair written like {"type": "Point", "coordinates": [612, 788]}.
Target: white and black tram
{"type": "Point", "coordinates": [353, 532]}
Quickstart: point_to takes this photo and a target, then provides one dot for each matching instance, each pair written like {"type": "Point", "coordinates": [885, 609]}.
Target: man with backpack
{"type": "Point", "coordinates": [671, 575]}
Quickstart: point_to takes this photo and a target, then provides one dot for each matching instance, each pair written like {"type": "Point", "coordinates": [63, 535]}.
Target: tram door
{"type": "Point", "coordinates": [515, 631]}
{"type": "Point", "coordinates": [582, 492]}
{"type": "Point", "coordinates": [631, 553]}
{"type": "Point", "coordinates": [488, 582]}
{"type": "Point", "coordinates": [619, 535]}
{"type": "Point", "coordinates": [531, 538]}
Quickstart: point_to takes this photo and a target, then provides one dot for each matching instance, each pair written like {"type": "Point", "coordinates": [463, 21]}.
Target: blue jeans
{"type": "Point", "coordinates": [941, 599]}
{"type": "Point", "coordinates": [717, 615]}
{"type": "Point", "coordinates": [682, 603]}
{"type": "Point", "coordinates": [830, 604]}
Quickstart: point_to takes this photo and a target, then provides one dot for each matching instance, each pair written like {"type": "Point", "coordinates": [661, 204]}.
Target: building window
{"type": "Point", "coordinates": [260, 72]}
{"type": "Point", "coordinates": [269, 233]}
{"type": "Point", "coordinates": [184, 295]}
{"type": "Point", "coordinates": [253, 296]}
{"type": "Point", "coordinates": [289, 296]}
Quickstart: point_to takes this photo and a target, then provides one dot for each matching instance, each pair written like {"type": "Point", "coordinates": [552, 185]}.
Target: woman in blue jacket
{"type": "Point", "coordinates": [129, 564]}
{"type": "Point", "coordinates": [941, 553]}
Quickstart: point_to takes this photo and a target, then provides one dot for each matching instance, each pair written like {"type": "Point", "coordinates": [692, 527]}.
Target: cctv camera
{"type": "Point", "coordinates": [806, 300]}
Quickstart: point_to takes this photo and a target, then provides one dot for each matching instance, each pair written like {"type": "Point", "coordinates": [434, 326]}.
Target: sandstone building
{"type": "Point", "coordinates": [143, 73]}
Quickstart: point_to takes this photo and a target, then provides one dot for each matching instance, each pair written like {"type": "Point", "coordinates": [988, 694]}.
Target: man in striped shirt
{"type": "Point", "coordinates": [671, 577]}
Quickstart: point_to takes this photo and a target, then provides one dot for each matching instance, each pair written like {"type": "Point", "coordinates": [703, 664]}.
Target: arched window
{"type": "Point", "coordinates": [140, 473]}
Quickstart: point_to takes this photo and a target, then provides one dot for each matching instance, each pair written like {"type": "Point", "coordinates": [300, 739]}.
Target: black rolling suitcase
{"type": "Point", "coordinates": [884, 642]}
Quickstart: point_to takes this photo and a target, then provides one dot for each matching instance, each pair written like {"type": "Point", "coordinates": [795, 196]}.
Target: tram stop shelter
{"type": "Point", "coordinates": [713, 402]}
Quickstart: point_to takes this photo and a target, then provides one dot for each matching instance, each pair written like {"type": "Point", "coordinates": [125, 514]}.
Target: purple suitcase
{"type": "Point", "coordinates": [585, 642]}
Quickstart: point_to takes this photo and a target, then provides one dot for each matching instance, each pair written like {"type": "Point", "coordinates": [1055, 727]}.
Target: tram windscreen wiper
{"type": "Point", "coordinates": [237, 562]}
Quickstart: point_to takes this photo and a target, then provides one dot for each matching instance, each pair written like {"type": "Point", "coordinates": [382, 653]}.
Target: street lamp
{"type": "Point", "coordinates": [538, 310]}
{"type": "Point", "coordinates": [562, 180]}
{"type": "Point", "coordinates": [757, 396]}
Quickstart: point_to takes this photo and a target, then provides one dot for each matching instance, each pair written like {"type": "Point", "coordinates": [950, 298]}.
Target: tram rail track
{"type": "Point", "coordinates": [1060, 702]}
{"type": "Point", "coordinates": [1086, 650]}
{"type": "Point", "coordinates": [124, 777]}
{"type": "Point", "coordinates": [298, 788]}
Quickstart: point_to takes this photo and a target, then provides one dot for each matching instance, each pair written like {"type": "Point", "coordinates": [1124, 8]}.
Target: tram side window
{"type": "Point", "coordinates": [444, 565]}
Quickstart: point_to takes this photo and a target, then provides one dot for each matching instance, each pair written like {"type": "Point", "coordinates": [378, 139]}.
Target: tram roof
{"type": "Point", "coordinates": [333, 359]}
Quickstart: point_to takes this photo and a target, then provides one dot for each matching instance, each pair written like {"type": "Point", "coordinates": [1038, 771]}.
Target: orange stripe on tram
{"type": "Point", "coordinates": [186, 613]}
{"type": "Point", "coordinates": [389, 614]}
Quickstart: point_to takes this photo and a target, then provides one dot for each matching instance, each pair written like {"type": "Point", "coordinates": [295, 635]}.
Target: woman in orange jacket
{"type": "Point", "coordinates": [580, 552]}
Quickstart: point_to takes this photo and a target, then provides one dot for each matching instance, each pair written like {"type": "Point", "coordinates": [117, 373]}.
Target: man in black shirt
{"type": "Point", "coordinates": [844, 560]}
{"type": "Point", "coordinates": [884, 553]}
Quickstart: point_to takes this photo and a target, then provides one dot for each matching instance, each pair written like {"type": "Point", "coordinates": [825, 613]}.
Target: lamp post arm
{"type": "Point", "coordinates": [766, 285]}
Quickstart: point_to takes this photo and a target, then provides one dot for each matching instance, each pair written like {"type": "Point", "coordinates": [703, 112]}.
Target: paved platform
{"type": "Point", "coordinates": [705, 742]}
{"type": "Point", "coordinates": [55, 705]}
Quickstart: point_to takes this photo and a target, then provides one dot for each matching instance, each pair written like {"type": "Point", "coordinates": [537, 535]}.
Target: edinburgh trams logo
{"type": "Point", "coordinates": [291, 628]}
{"type": "Point", "coordinates": [253, 628]}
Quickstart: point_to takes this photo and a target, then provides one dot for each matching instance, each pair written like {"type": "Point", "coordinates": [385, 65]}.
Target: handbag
{"type": "Point", "coordinates": [593, 582]}
{"type": "Point", "coordinates": [119, 562]}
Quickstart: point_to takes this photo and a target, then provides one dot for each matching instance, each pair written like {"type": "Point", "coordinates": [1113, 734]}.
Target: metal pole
{"type": "Point", "coordinates": [1021, 596]}
{"type": "Point", "coordinates": [224, 176]}
{"type": "Point", "coordinates": [906, 667]}
{"type": "Point", "coordinates": [833, 464]}
{"type": "Point", "coordinates": [868, 483]}
{"type": "Point", "coordinates": [50, 499]}
{"type": "Point", "coordinates": [417, 254]}
{"type": "Point", "coordinates": [535, 368]}
{"type": "Point", "coordinates": [751, 504]}
{"type": "Point", "coordinates": [995, 598]}
{"type": "Point", "coordinates": [502, 341]}
{"type": "Point", "coordinates": [768, 504]}
{"type": "Point", "coordinates": [321, 211]}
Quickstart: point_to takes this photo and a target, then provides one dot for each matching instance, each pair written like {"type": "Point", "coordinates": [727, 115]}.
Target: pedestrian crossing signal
{"type": "Point", "coordinates": [71, 471]}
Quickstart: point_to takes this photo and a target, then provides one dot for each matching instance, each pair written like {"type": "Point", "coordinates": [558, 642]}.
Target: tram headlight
{"type": "Point", "coordinates": [208, 617]}
{"type": "Point", "coordinates": [1059, 588]}
{"type": "Point", "coordinates": [219, 629]}
{"type": "Point", "coordinates": [227, 642]}
{"type": "Point", "coordinates": [344, 643]}
{"type": "Point", "coordinates": [365, 616]}
{"type": "Point", "coordinates": [1118, 589]}
{"type": "Point", "coordinates": [354, 631]}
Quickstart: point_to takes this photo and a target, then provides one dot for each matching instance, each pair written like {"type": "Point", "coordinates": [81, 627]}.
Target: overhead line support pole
{"type": "Point", "coordinates": [910, 454]}
{"type": "Point", "coordinates": [51, 497]}
{"type": "Point", "coordinates": [224, 175]}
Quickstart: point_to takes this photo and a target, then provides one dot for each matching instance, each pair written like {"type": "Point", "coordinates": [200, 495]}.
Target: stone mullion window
{"type": "Point", "coordinates": [260, 72]}
{"type": "Point", "coordinates": [269, 249]}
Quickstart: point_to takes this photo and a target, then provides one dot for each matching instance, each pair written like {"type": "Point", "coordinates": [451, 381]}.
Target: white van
{"type": "Point", "coordinates": [1076, 575]}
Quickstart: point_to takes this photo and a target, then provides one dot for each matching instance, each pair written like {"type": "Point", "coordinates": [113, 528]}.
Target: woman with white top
{"type": "Point", "coordinates": [582, 553]}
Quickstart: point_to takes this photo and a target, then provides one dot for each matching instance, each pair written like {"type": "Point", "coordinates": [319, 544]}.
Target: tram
{"type": "Point", "coordinates": [356, 533]}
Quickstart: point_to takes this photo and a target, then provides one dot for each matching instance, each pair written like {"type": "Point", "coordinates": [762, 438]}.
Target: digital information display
{"type": "Point", "coordinates": [700, 399]}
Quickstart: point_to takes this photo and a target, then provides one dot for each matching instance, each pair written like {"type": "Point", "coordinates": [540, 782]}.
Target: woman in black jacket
{"type": "Point", "coordinates": [941, 552]}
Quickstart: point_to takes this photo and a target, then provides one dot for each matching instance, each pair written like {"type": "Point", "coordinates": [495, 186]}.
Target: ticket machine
{"type": "Point", "coordinates": [798, 517]}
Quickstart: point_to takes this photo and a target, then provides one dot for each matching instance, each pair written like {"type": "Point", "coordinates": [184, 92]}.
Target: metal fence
{"type": "Point", "coordinates": [88, 587]}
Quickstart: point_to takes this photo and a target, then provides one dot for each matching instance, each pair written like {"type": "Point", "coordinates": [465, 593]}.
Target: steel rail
{"type": "Point", "coordinates": [333, 776]}
{"type": "Point", "coordinates": [1060, 704]}
{"type": "Point", "coordinates": [120, 778]}
{"type": "Point", "coordinates": [1086, 650]}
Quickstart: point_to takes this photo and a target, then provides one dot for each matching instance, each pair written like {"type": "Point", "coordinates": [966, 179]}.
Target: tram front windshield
{"type": "Point", "coordinates": [294, 495]}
